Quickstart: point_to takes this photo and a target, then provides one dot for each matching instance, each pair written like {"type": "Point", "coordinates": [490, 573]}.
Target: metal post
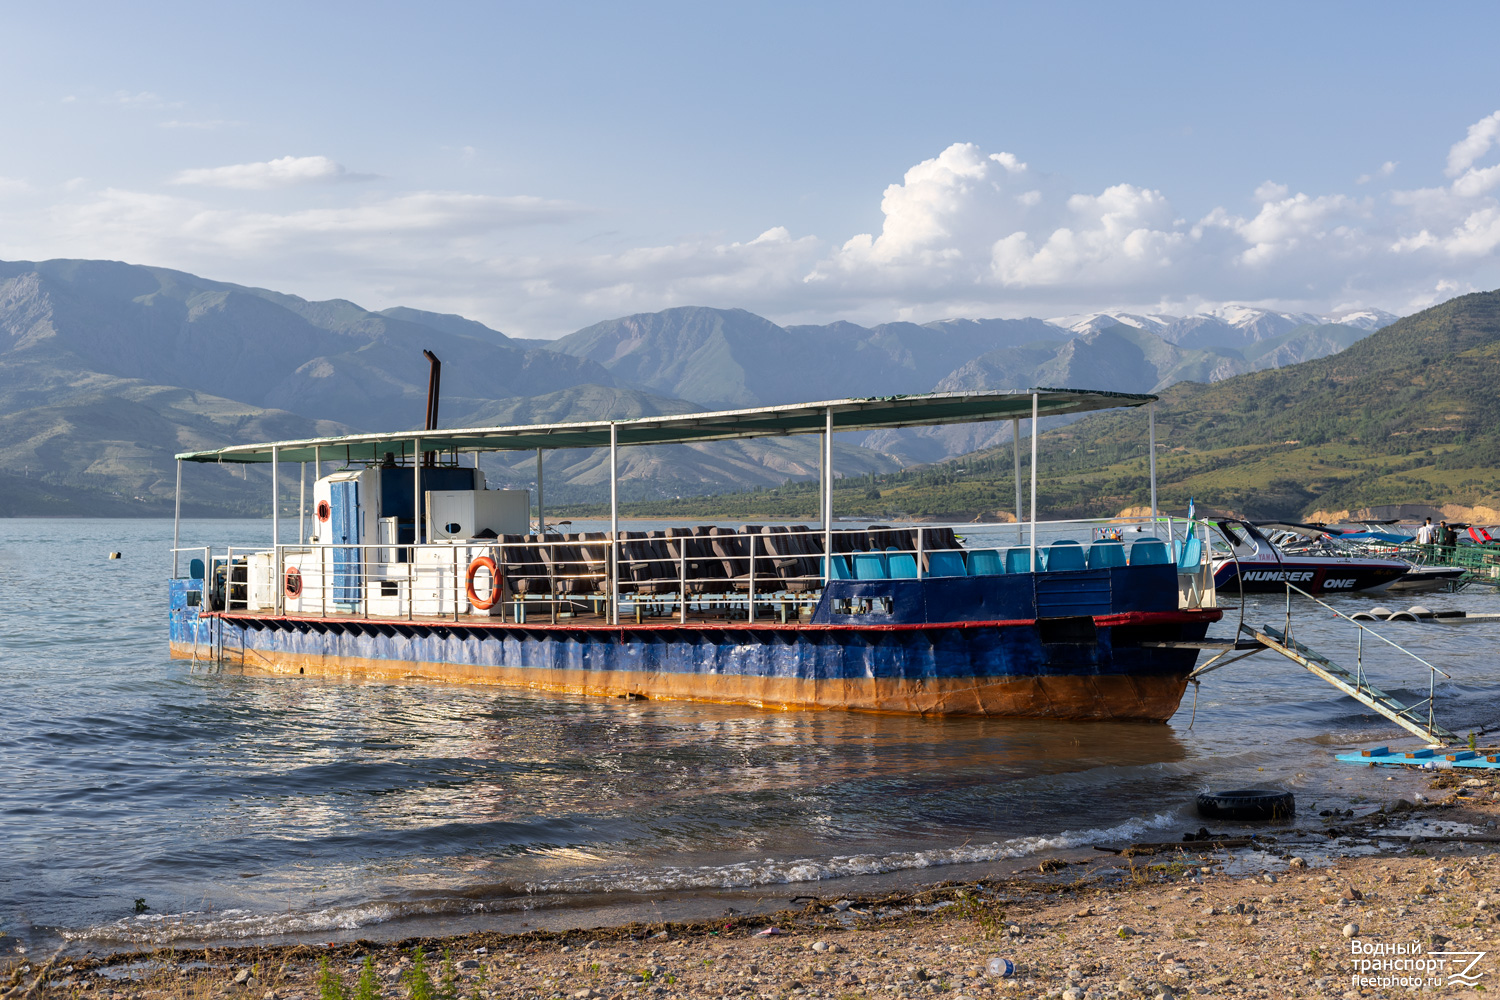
{"type": "Point", "coordinates": [1015, 440]}
{"type": "Point", "coordinates": [827, 489]}
{"type": "Point", "coordinates": [301, 503]}
{"type": "Point", "coordinates": [614, 523]}
{"type": "Point", "coordinates": [750, 617]}
{"type": "Point", "coordinates": [541, 518]}
{"type": "Point", "coordinates": [1151, 422]}
{"type": "Point", "coordinates": [177, 529]}
{"type": "Point", "coordinates": [682, 579]}
{"type": "Point", "coordinates": [416, 496]}
{"type": "Point", "coordinates": [275, 530]}
{"type": "Point", "coordinates": [275, 499]}
{"type": "Point", "coordinates": [1034, 402]}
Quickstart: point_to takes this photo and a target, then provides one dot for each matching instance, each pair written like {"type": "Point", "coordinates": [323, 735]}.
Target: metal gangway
{"type": "Point", "coordinates": [1356, 683]}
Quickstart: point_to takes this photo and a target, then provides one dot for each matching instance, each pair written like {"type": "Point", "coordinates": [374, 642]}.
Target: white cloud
{"type": "Point", "coordinates": [141, 100]}
{"type": "Point", "coordinates": [286, 171]}
{"type": "Point", "coordinates": [965, 232]}
{"type": "Point", "coordinates": [1482, 134]}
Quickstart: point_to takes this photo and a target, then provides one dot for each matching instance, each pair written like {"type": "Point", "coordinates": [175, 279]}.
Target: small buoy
{"type": "Point", "coordinates": [114, 555]}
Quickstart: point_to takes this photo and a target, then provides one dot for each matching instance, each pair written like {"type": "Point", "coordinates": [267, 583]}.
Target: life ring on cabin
{"type": "Point", "coordinates": [324, 511]}
{"type": "Point", "coordinates": [497, 583]}
{"type": "Point", "coordinates": [292, 585]}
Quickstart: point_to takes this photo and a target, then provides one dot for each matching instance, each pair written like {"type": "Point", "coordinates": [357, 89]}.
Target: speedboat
{"type": "Point", "coordinates": [1262, 557]}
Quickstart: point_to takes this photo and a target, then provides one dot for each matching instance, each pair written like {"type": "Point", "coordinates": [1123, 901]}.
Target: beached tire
{"type": "Point", "coordinates": [1247, 804]}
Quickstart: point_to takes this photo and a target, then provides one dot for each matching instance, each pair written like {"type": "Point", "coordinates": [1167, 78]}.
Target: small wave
{"type": "Point", "coordinates": [772, 872]}
{"type": "Point", "coordinates": [239, 924]}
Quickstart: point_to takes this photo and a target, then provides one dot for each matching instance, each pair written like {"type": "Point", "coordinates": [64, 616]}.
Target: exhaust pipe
{"type": "Point", "coordinates": [434, 388]}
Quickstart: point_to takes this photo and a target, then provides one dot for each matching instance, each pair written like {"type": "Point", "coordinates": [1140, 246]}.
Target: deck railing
{"type": "Point", "coordinates": [756, 573]}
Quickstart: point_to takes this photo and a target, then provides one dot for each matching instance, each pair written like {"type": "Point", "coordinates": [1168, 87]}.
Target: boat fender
{"type": "Point", "coordinates": [1247, 804]}
{"type": "Point", "coordinates": [497, 583]}
{"type": "Point", "coordinates": [324, 511]}
{"type": "Point", "coordinates": [292, 586]}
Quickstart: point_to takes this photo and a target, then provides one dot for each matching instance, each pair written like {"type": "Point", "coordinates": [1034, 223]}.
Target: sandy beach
{"type": "Point", "coordinates": [1168, 920]}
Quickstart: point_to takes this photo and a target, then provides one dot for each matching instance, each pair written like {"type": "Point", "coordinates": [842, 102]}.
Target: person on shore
{"type": "Point", "coordinates": [1425, 533]}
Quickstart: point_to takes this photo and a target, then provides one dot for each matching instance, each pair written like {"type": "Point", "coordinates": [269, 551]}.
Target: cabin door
{"type": "Point", "coordinates": [344, 522]}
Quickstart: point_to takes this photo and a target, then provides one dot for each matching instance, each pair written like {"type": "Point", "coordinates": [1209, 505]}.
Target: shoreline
{"type": "Point", "coordinates": [1265, 918]}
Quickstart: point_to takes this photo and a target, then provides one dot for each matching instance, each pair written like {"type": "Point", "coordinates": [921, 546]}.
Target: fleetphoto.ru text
{"type": "Point", "coordinates": [1410, 964]}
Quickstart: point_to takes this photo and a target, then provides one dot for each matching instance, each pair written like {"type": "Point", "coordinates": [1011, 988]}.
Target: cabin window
{"type": "Point", "coordinates": [863, 606]}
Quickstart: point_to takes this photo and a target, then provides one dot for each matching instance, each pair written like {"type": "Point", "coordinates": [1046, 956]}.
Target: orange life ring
{"type": "Point", "coordinates": [497, 583]}
{"type": "Point", "coordinates": [292, 586]}
{"type": "Point", "coordinates": [324, 511]}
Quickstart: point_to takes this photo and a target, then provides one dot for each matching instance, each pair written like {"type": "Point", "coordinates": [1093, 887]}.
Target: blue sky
{"type": "Point", "coordinates": [541, 167]}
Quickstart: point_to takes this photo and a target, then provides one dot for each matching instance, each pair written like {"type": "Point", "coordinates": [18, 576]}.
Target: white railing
{"type": "Point", "coordinates": [755, 573]}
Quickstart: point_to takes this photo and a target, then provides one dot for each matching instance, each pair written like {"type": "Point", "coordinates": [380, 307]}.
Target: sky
{"type": "Point", "coordinates": [541, 167]}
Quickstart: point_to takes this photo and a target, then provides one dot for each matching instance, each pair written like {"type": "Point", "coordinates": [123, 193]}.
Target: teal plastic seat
{"type": "Point", "coordinates": [986, 562]}
{"type": "Point", "coordinates": [1150, 552]}
{"type": "Point", "coordinates": [900, 565]}
{"type": "Point", "coordinates": [946, 564]}
{"type": "Point", "coordinates": [870, 566]}
{"type": "Point", "coordinates": [1106, 555]}
{"type": "Point", "coordinates": [1065, 554]}
{"type": "Point", "coordinates": [1189, 554]}
{"type": "Point", "coordinates": [195, 569]}
{"type": "Point", "coordinates": [840, 568]}
{"type": "Point", "coordinates": [1017, 560]}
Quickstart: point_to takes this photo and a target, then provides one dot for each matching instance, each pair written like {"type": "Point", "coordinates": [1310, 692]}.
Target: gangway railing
{"type": "Point", "coordinates": [1356, 684]}
{"type": "Point", "coordinates": [755, 573]}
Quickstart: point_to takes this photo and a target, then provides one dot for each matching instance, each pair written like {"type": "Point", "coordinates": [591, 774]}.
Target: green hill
{"type": "Point", "coordinates": [1410, 414]}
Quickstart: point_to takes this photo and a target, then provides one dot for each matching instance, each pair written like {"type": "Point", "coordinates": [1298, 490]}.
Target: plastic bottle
{"type": "Point", "coordinates": [1001, 967]}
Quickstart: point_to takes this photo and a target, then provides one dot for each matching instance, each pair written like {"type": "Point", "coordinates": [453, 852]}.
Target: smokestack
{"type": "Point", "coordinates": [434, 389]}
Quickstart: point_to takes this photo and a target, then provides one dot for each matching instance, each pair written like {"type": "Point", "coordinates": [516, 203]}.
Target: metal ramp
{"type": "Point", "coordinates": [1355, 685]}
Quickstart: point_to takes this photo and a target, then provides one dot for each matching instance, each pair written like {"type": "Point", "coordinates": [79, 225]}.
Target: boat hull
{"type": "Point", "coordinates": [1087, 668]}
{"type": "Point", "coordinates": [1312, 575]}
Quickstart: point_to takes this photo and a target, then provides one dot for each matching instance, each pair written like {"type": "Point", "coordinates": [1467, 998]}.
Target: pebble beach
{"type": "Point", "coordinates": [1155, 921]}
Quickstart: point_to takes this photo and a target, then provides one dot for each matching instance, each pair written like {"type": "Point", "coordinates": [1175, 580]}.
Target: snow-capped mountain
{"type": "Point", "coordinates": [1227, 326]}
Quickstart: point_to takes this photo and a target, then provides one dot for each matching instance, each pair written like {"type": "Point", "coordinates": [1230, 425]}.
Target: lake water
{"type": "Point", "coordinates": [274, 808]}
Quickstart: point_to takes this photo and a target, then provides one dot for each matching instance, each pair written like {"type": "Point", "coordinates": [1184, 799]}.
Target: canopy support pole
{"type": "Point", "coordinates": [176, 518]}
{"type": "Point", "coordinates": [275, 496]}
{"type": "Point", "coordinates": [416, 496]}
{"type": "Point", "coordinates": [301, 503]}
{"type": "Point", "coordinates": [1034, 404]}
{"type": "Point", "coordinates": [614, 523]}
{"type": "Point", "coordinates": [276, 529]}
{"type": "Point", "coordinates": [541, 517]}
{"type": "Point", "coordinates": [1015, 440]}
{"type": "Point", "coordinates": [827, 492]}
{"type": "Point", "coordinates": [1151, 422]}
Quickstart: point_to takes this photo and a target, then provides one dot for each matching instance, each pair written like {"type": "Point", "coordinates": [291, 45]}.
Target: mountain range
{"type": "Point", "coordinates": [107, 369]}
{"type": "Point", "coordinates": [1408, 415]}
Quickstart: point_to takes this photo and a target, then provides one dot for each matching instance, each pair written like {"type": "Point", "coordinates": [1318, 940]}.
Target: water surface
{"type": "Point", "coordinates": [248, 807]}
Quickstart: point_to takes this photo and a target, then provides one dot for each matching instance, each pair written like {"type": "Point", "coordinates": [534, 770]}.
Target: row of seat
{"type": "Point", "coordinates": [713, 560]}
{"type": "Point", "coordinates": [1060, 556]}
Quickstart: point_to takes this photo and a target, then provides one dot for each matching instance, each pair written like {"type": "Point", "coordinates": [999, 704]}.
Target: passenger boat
{"type": "Point", "coordinates": [1306, 556]}
{"type": "Point", "coordinates": [408, 567]}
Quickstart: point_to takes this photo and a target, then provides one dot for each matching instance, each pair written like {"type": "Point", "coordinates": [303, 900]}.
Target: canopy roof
{"type": "Point", "coordinates": [686, 428]}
